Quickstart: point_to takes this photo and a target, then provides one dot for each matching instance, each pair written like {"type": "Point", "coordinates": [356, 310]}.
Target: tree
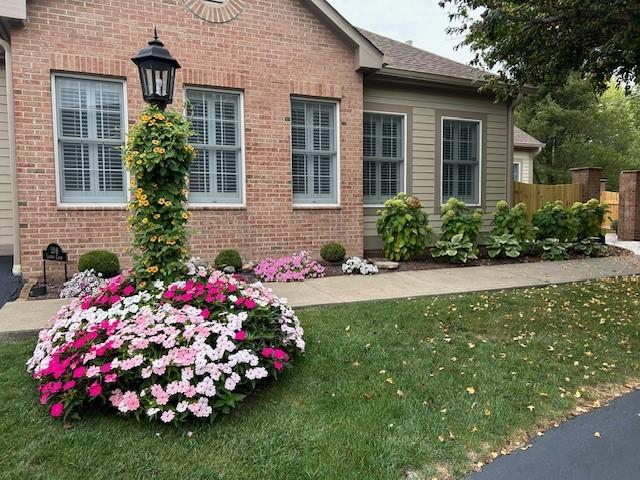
{"type": "Point", "coordinates": [543, 41]}
{"type": "Point", "coordinates": [581, 128]}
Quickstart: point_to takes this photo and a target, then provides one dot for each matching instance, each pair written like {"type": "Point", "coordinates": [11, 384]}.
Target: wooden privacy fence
{"type": "Point", "coordinates": [613, 200]}
{"type": "Point", "coordinates": [535, 196]}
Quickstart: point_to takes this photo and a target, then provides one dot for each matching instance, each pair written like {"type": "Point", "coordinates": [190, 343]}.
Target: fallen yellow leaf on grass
{"type": "Point", "coordinates": [471, 390]}
{"type": "Point", "coordinates": [597, 435]}
{"type": "Point", "coordinates": [531, 408]}
{"type": "Point", "coordinates": [390, 381]}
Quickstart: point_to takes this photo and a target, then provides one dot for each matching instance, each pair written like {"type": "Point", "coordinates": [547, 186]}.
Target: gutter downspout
{"type": "Point", "coordinates": [17, 268]}
{"type": "Point", "coordinates": [510, 122]}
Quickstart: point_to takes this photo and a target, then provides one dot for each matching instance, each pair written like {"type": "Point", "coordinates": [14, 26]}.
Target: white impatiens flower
{"type": "Point", "coordinates": [358, 265]}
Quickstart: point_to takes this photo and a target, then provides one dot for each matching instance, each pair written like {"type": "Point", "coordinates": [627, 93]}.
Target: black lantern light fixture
{"type": "Point", "coordinates": [157, 72]}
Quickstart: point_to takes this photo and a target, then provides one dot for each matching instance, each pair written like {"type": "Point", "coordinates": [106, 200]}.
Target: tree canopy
{"type": "Point", "coordinates": [543, 41]}
{"type": "Point", "coordinates": [581, 128]}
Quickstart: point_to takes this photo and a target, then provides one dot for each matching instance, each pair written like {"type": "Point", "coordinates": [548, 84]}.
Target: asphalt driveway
{"type": "Point", "coordinates": [9, 284]}
{"type": "Point", "coordinates": [601, 445]}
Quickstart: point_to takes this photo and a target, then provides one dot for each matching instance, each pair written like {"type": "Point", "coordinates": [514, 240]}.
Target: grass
{"type": "Point", "coordinates": [418, 388]}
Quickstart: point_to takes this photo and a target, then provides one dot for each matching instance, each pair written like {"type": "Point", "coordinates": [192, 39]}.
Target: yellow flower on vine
{"type": "Point", "coordinates": [154, 239]}
{"type": "Point", "coordinates": [145, 221]}
{"type": "Point", "coordinates": [152, 269]}
{"type": "Point", "coordinates": [168, 204]}
{"type": "Point", "coordinates": [162, 201]}
{"type": "Point", "coordinates": [143, 284]}
{"type": "Point", "coordinates": [155, 141]}
{"type": "Point", "coordinates": [133, 183]}
{"type": "Point", "coordinates": [157, 216]}
{"type": "Point", "coordinates": [145, 118]}
{"type": "Point", "coordinates": [169, 124]}
{"type": "Point", "coordinates": [160, 116]}
{"type": "Point", "coordinates": [130, 218]}
{"type": "Point", "coordinates": [185, 216]}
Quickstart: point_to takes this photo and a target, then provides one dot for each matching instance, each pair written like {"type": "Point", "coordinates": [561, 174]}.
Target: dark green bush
{"type": "Point", "coordinates": [228, 258]}
{"type": "Point", "coordinates": [555, 221]}
{"type": "Point", "coordinates": [333, 252]}
{"type": "Point", "coordinates": [100, 261]}
{"type": "Point", "coordinates": [458, 218]}
{"type": "Point", "coordinates": [589, 218]}
{"type": "Point", "coordinates": [404, 227]}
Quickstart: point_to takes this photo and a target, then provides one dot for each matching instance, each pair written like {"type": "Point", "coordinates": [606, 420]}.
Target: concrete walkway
{"type": "Point", "coordinates": [574, 452]}
{"type": "Point", "coordinates": [22, 318]}
{"type": "Point", "coordinates": [632, 246]}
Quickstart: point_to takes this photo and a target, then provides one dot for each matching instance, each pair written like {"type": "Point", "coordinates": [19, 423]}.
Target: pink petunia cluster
{"type": "Point", "coordinates": [294, 268]}
{"type": "Point", "coordinates": [191, 349]}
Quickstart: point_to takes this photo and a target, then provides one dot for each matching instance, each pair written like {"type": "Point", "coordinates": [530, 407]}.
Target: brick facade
{"type": "Point", "coordinates": [629, 221]}
{"type": "Point", "coordinates": [589, 178]}
{"type": "Point", "coordinates": [271, 51]}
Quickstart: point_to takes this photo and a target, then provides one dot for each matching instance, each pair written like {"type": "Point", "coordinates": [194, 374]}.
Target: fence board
{"type": "Point", "coordinates": [613, 200]}
{"type": "Point", "coordinates": [535, 196]}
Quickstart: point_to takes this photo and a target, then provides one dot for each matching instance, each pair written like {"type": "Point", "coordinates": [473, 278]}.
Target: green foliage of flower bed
{"type": "Point", "coordinates": [404, 227]}
{"type": "Point", "coordinates": [588, 218]}
{"type": "Point", "coordinates": [512, 221]}
{"type": "Point", "coordinates": [553, 220]}
{"type": "Point", "coordinates": [101, 262]}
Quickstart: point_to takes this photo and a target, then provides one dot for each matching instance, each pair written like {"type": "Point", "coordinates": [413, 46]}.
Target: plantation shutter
{"type": "Point", "coordinates": [90, 117]}
{"type": "Point", "coordinates": [383, 140]}
{"type": "Point", "coordinates": [461, 161]}
{"type": "Point", "coordinates": [314, 152]}
{"type": "Point", "coordinates": [215, 175]}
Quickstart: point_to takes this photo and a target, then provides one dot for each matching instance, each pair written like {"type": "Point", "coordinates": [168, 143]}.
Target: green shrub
{"type": "Point", "coordinates": [614, 225]}
{"type": "Point", "coordinates": [404, 228]}
{"type": "Point", "coordinates": [457, 250]}
{"type": "Point", "coordinates": [512, 221]}
{"type": "Point", "coordinates": [553, 249]}
{"type": "Point", "coordinates": [458, 218]}
{"type": "Point", "coordinates": [589, 218]}
{"type": "Point", "coordinates": [590, 247]}
{"type": "Point", "coordinates": [333, 252]}
{"type": "Point", "coordinates": [228, 258]}
{"type": "Point", "coordinates": [100, 261]}
{"type": "Point", "coordinates": [554, 221]}
{"type": "Point", "coordinates": [506, 245]}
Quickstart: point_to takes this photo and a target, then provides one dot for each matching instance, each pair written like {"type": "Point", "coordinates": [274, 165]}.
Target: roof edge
{"type": "Point", "coordinates": [368, 56]}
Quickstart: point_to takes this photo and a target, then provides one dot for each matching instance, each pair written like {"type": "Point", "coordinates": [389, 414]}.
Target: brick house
{"type": "Point", "coordinates": [304, 125]}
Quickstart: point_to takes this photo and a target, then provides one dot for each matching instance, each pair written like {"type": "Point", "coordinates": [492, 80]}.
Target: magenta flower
{"type": "Point", "coordinates": [267, 352]}
{"type": "Point", "coordinates": [56, 410]}
{"type": "Point", "coordinates": [241, 336]}
{"type": "Point", "coordinates": [278, 365]}
{"type": "Point", "coordinates": [128, 291]}
{"type": "Point", "coordinates": [68, 385]}
{"type": "Point", "coordinates": [249, 304]}
{"type": "Point", "coordinates": [95, 389]}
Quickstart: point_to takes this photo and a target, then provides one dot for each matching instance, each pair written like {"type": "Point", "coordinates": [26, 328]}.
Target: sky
{"type": "Point", "coordinates": [422, 21]}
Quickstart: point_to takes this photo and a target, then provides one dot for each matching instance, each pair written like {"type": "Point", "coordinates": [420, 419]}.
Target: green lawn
{"type": "Point", "coordinates": [428, 386]}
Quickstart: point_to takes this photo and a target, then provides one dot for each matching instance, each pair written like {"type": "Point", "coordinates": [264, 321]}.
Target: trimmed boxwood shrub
{"type": "Point", "coordinates": [228, 258]}
{"type": "Point", "coordinates": [100, 261]}
{"type": "Point", "coordinates": [333, 252]}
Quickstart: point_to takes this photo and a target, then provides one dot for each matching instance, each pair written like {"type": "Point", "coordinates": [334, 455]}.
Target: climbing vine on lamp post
{"type": "Point", "coordinates": [158, 156]}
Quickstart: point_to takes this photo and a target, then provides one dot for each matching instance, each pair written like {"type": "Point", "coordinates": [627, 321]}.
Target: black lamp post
{"type": "Point", "coordinates": [157, 72]}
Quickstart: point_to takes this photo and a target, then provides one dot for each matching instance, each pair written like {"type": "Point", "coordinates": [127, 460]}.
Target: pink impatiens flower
{"type": "Point", "coordinates": [278, 365]}
{"type": "Point", "coordinates": [79, 372]}
{"type": "Point", "coordinates": [267, 352]}
{"type": "Point", "coordinates": [241, 336]}
{"type": "Point", "coordinates": [128, 291]}
{"type": "Point", "coordinates": [95, 389]}
{"type": "Point", "coordinates": [56, 410]}
{"type": "Point", "coordinates": [167, 416]}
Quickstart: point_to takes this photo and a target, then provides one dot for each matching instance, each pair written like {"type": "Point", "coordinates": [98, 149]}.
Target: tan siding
{"type": "Point", "coordinates": [424, 103]}
{"type": "Point", "coordinates": [6, 197]}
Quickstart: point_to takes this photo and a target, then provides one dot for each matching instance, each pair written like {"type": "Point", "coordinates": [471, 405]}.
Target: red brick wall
{"type": "Point", "coordinates": [273, 50]}
{"type": "Point", "coordinates": [629, 221]}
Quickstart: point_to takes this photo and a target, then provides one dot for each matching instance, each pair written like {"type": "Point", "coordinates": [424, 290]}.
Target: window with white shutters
{"type": "Point", "coordinates": [461, 160]}
{"type": "Point", "coordinates": [90, 134]}
{"type": "Point", "coordinates": [383, 140]}
{"type": "Point", "coordinates": [314, 149]}
{"type": "Point", "coordinates": [216, 172]}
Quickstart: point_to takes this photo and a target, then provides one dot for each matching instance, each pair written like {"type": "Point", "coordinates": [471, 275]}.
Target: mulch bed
{"type": "Point", "coordinates": [427, 262]}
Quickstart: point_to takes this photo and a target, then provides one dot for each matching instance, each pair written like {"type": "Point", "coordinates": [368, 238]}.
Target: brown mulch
{"type": "Point", "coordinates": [427, 262]}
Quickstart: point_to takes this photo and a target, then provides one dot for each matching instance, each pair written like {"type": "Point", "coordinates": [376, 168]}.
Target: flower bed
{"type": "Point", "coordinates": [195, 348]}
{"type": "Point", "coordinates": [295, 268]}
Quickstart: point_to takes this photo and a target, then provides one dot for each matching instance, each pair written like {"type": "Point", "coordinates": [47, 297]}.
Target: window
{"type": "Point", "coordinates": [315, 154]}
{"type": "Point", "coordinates": [461, 160]}
{"type": "Point", "coordinates": [383, 157]}
{"type": "Point", "coordinates": [216, 173]}
{"type": "Point", "coordinates": [90, 118]}
{"type": "Point", "coordinates": [516, 172]}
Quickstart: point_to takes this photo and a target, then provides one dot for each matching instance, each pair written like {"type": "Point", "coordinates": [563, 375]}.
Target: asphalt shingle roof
{"type": "Point", "coordinates": [523, 139]}
{"type": "Point", "coordinates": [401, 56]}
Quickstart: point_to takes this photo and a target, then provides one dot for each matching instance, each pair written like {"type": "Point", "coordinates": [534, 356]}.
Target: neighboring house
{"type": "Point", "coordinates": [525, 149]}
{"type": "Point", "coordinates": [304, 125]}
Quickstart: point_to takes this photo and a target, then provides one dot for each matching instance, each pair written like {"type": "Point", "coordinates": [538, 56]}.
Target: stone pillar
{"type": "Point", "coordinates": [629, 221]}
{"type": "Point", "coordinates": [589, 177]}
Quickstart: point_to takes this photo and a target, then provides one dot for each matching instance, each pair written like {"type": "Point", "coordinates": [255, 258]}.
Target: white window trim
{"type": "Point", "coordinates": [309, 206]}
{"type": "Point", "coordinates": [243, 162]}
{"type": "Point", "coordinates": [56, 146]}
{"type": "Point", "coordinates": [519, 163]}
{"type": "Point", "coordinates": [405, 148]}
{"type": "Point", "coordinates": [480, 157]}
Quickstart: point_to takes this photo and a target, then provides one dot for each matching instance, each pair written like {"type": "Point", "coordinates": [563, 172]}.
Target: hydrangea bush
{"type": "Point", "coordinates": [193, 348]}
{"type": "Point", "coordinates": [83, 284]}
{"type": "Point", "coordinates": [294, 268]}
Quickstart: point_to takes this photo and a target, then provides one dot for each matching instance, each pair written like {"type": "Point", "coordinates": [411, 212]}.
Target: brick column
{"type": "Point", "coordinates": [603, 185]}
{"type": "Point", "coordinates": [589, 177]}
{"type": "Point", "coordinates": [629, 221]}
